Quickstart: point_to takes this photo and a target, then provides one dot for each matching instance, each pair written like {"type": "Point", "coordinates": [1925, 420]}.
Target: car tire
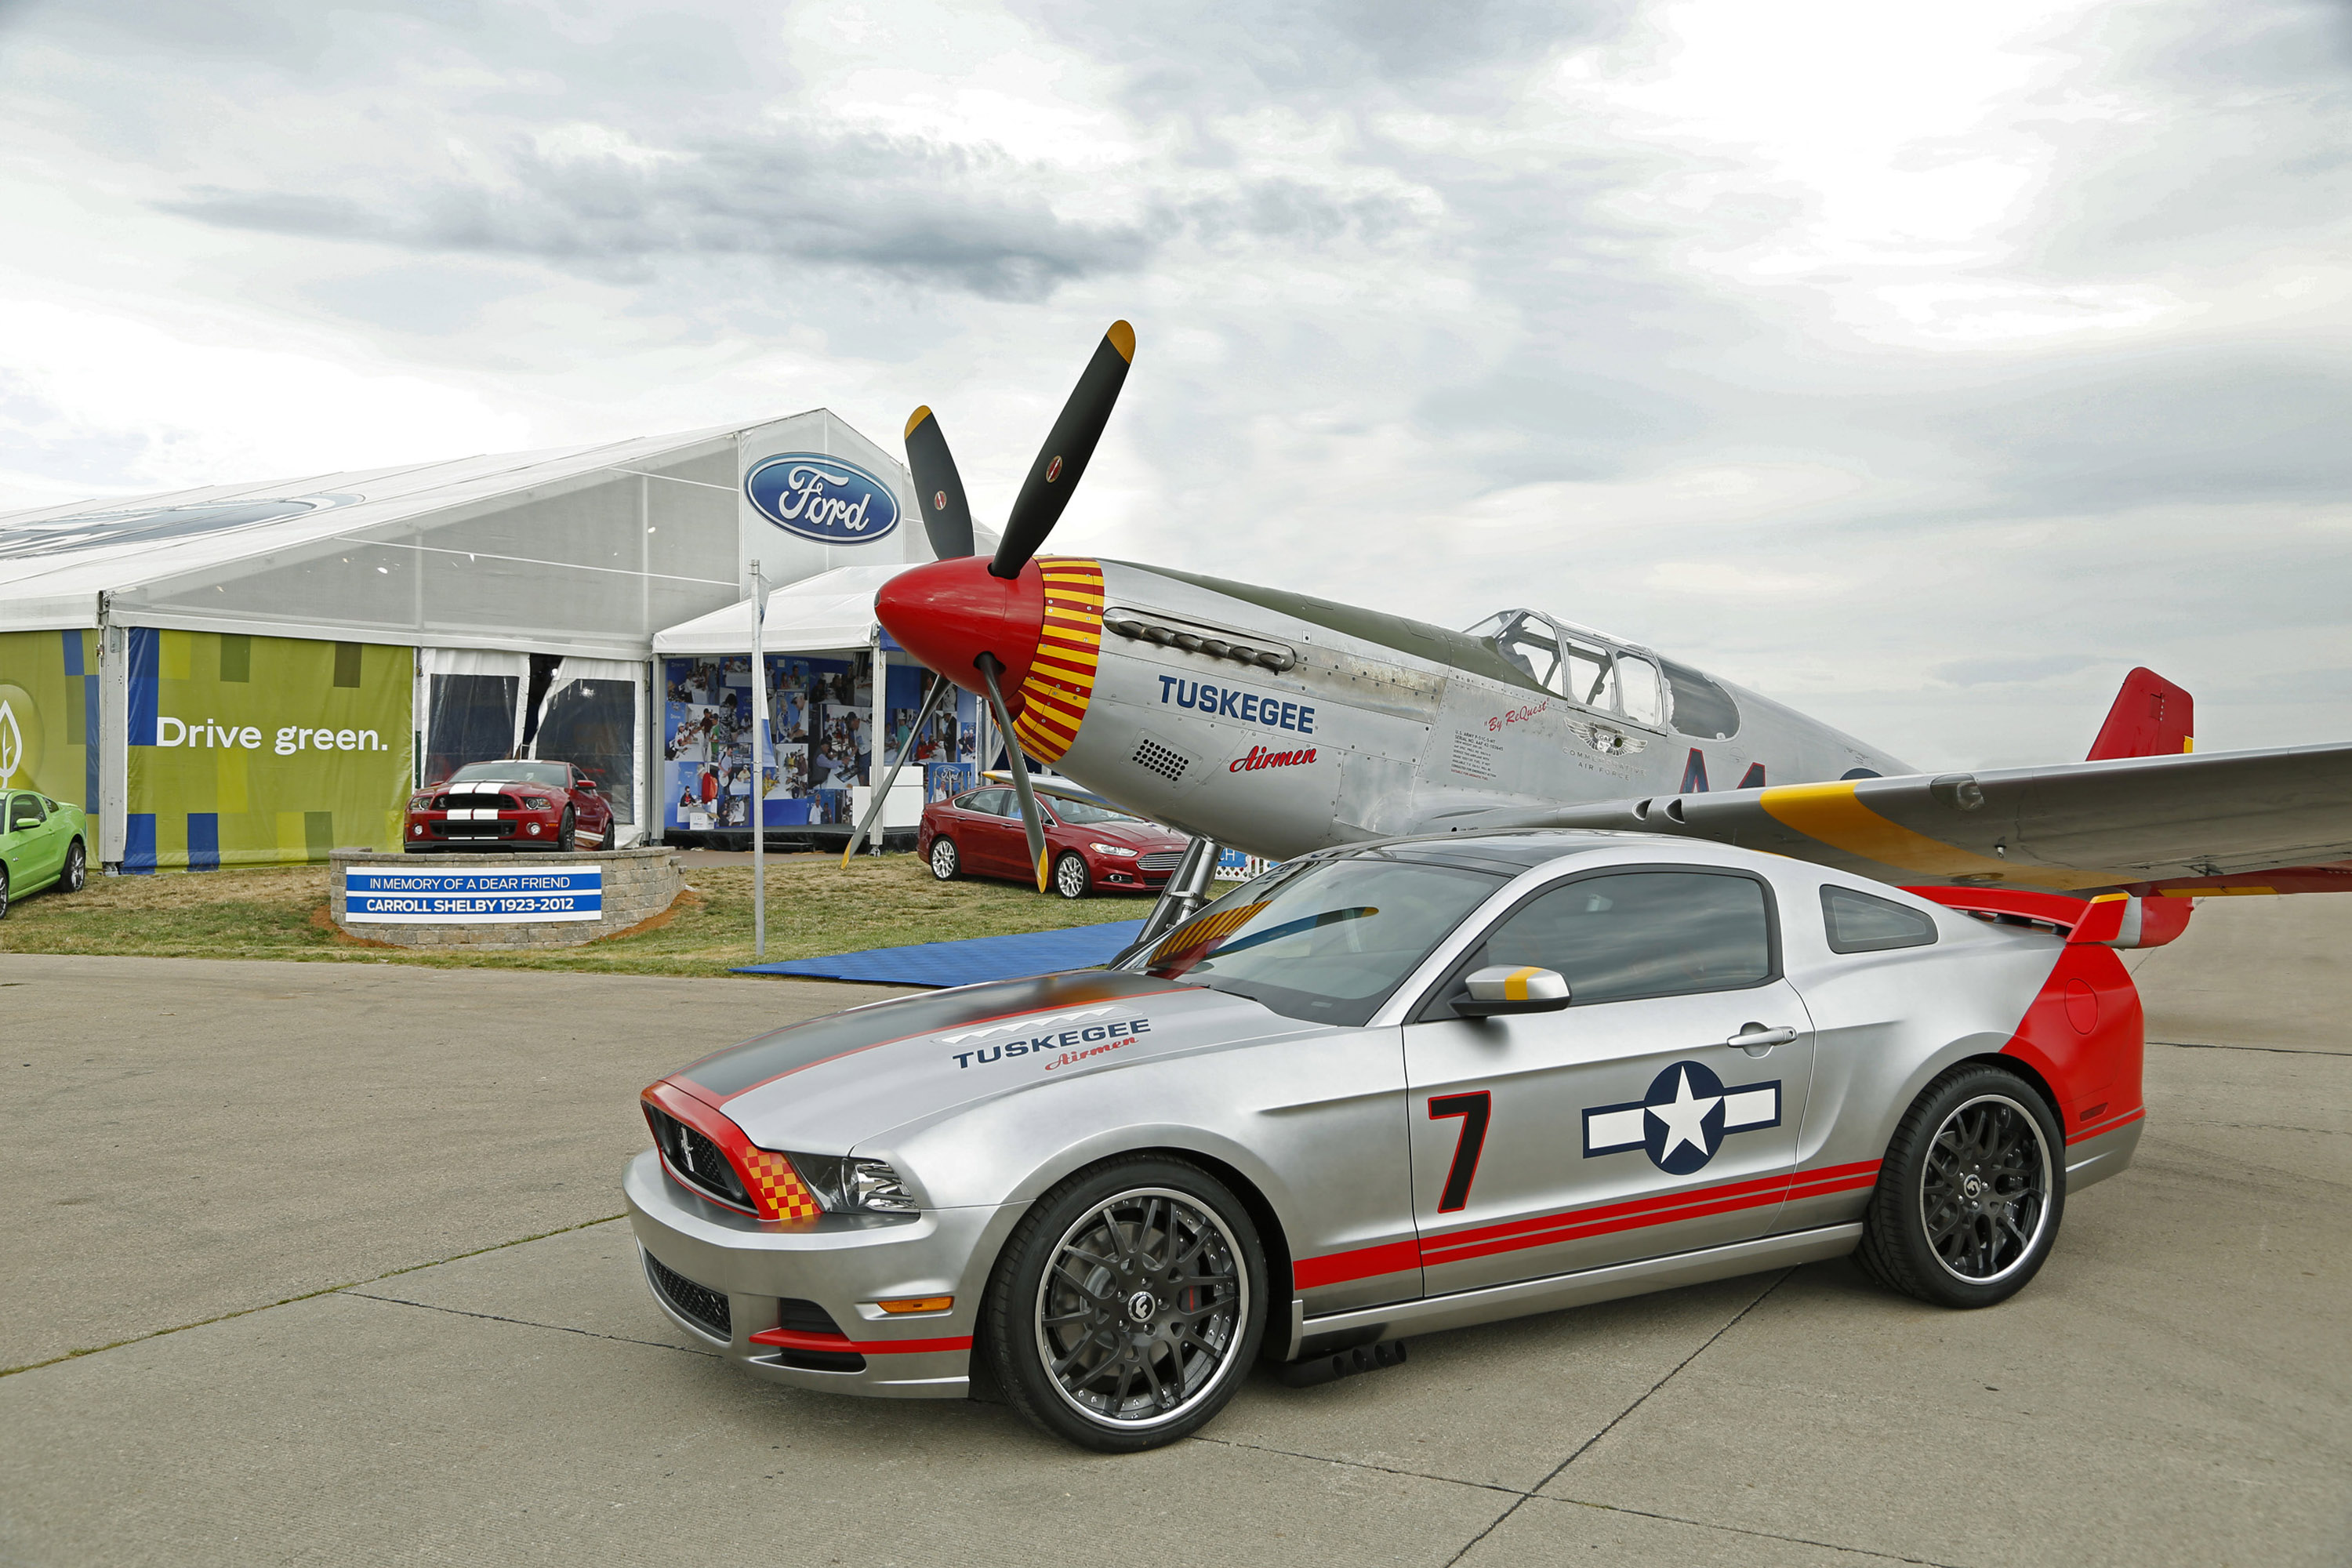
{"type": "Point", "coordinates": [567, 831]}
{"type": "Point", "coordinates": [1071, 877]}
{"type": "Point", "coordinates": [1140, 1369]}
{"type": "Point", "coordinates": [3, 892]}
{"type": "Point", "coordinates": [947, 865]}
{"type": "Point", "coordinates": [75, 875]}
{"type": "Point", "coordinates": [1971, 1193]}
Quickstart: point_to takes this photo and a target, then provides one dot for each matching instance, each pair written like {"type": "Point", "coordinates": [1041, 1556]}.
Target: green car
{"type": "Point", "coordinates": [43, 842]}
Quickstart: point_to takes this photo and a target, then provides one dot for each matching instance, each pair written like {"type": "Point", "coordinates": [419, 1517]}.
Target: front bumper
{"type": "Point", "coordinates": [505, 830]}
{"type": "Point", "coordinates": [844, 1264]}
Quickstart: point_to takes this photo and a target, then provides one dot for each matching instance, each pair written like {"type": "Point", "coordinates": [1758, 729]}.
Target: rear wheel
{"type": "Point", "coordinates": [3, 892]}
{"type": "Point", "coordinates": [945, 862]}
{"type": "Point", "coordinates": [77, 868]}
{"type": "Point", "coordinates": [1971, 1193]}
{"type": "Point", "coordinates": [1071, 878]}
{"type": "Point", "coordinates": [1128, 1305]}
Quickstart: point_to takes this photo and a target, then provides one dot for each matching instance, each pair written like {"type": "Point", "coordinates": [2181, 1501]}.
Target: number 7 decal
{"type": "Point", "coordinates": [1474, 1109]}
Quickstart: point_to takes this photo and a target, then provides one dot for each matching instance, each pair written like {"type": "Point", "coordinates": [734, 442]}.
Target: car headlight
{"type": "Point", "coordinates": [421, 802]}
{"type": "Point", "coordinates": [854, 1186]}
{"type": "Point", "coordinates": [1120, 849]}
{"type": "Point", "coordinates": [536, 803]}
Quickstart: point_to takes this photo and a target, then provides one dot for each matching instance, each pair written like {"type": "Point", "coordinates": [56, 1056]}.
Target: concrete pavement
{"type": "Point", "coordinates": [203, 1139]}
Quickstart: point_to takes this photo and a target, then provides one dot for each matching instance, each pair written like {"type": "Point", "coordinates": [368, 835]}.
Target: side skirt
{"type": "Point", "coordinates": [1461, 1310]}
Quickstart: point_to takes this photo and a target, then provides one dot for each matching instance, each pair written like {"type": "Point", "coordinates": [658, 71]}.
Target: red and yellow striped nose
{"type": "Point", "coordinates": [1060, 681]}
{"type": "Point", "coordinates": [1044, 627]}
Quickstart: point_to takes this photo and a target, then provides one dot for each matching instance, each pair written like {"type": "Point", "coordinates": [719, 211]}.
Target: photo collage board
{"type": "Point", "coordinates": [820, 743]}
{"type": "Point", "coordinates": [945, 748]}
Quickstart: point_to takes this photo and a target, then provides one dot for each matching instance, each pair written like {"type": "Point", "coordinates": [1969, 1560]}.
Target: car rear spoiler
{"type": "Point", "coordinates": [2109, 919]}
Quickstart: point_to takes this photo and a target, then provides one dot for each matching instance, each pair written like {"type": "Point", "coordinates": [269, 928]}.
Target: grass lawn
{"type": "Point", "coordinates": [813, 907]}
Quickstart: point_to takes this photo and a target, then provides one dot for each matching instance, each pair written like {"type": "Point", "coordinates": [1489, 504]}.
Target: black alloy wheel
{"type": "Point", "coordinates": [77, 871]}
{"type": "Point", "coordinates": [1071, 877]}
{"type": "Point", "coordinates": [1128, 1305]}
{"type": "Point", "coordinates": [1971, 1193]}
{"type": "Point", "coordinates": [945, 862]}
{"type": "Point", "coordinates": [568, 831]}
{"type": "Point", "coordinates": [3, 892]}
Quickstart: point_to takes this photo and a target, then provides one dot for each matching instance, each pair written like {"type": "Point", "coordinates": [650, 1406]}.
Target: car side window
{"type": "Point", "coordinates": [1628, 934]}
{"type": "Point", "coordinates": [1860, 923]}
{"type": "Point", "coordinates": [986, 802]}
{"type": "Point", "coordinates": [25, 811]}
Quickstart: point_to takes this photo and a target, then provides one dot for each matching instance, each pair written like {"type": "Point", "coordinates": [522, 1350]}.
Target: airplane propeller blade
{"type": "Point", "coordinates": [988, 665]}
{"type": "Point", "coordinates": [947, 516]}
{"type": "Point", "coordinates": [1067, 447]}
{"type": "Point", "coordinates": [940, 688]}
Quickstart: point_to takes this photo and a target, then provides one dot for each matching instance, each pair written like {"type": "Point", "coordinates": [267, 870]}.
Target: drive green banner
{"type": "Point", "coordinates": [252, 750]}
{"type": "Point", "coordinates": [48, 714]}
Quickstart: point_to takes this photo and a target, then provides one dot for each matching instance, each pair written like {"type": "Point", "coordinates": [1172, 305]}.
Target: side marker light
{"type": "Point", "coordinates": [918, 1304]}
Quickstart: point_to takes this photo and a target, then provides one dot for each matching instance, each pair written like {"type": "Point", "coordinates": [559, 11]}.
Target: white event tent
{"type": "Point", "coordinates": [250, 673]}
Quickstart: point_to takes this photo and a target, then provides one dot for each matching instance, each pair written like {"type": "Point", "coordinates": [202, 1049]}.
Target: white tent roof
{"type": "Point", "coordinates": [577, 551]}
{"type": "Point", "coordinates": [829, 611]}
{"type": "Point", "coordinates": [67, 554]}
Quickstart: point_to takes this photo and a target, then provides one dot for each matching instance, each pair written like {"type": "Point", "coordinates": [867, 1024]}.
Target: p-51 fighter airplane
{"type": "Point", "coordinates": [1281, 723]}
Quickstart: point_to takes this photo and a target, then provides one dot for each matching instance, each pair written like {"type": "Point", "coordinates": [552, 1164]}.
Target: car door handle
{"type": "Point", "coordinates": [1756, 1039]}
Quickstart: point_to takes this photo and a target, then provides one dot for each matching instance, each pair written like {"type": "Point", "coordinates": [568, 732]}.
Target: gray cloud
{"type": "Point", "coordinates": [900, 208]}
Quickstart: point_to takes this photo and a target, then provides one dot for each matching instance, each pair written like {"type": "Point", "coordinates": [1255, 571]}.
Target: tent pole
{"type": "Point", "coordinates": [758, 811]}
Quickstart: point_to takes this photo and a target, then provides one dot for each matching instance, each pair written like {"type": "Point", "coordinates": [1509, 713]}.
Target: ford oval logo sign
{"type": "Point", "coordinates": [822, 498]}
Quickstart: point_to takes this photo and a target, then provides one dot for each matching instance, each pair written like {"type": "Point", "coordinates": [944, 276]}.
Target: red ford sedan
{"type": "Point", "coordinates": [1091, 847]}
{"type": "Point", "coordinates": [509, 806]}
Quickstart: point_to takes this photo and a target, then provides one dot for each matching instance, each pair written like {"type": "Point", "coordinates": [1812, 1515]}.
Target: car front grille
{"type": "Point", "coordinates": [697, 1161]}
{"type": "Point", "coordinates": [501, 801]}
{"type": "Point", "coordinates": [699, 1304]}
{"type": "Point", "coordinates": [1161, 860]}
{"type": "Point", "coordinates": [475, 829]}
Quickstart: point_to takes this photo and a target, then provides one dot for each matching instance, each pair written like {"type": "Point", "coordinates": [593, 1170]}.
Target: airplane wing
{"type": "Point", "coordinates": [2271, 821]}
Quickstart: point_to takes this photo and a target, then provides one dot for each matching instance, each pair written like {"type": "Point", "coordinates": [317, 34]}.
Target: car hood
{"type": "Point", "coordinates": [823, 1085]}
{"type": "Point", "coordinates": [1141, 835]}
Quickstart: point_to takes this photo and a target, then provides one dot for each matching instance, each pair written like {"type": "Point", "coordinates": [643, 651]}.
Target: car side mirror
{"type": "Point", "coordinates": [588, 784]}
{"type": "Point", "coordinates": [1503, 988]}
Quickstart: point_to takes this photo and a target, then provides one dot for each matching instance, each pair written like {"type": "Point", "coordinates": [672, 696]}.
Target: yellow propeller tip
{"type": "Point", "coordinates": [919, 414]}
{"type": "Point", "coordinates": [1122, 337]}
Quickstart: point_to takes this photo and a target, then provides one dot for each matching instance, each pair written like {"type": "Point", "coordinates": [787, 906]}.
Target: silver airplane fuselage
{"type": "Point", "coordinates": [1280, 723]}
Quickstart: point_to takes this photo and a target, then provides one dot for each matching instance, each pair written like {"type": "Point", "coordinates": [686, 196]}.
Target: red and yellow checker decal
{"type": "Point", "coordinates": [776, 1189]}
{"type": "Point", "coordinates": [1061, 678]}
{"type": "Point", "coordinates": [1195, 936]}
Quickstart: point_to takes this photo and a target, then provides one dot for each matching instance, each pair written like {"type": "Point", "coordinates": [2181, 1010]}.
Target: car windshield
{"type": "Point", "coordinates": [549, 775]}
{"type": "Point", "coordinates": [1084, 811]}
{"type": "Point", "coordinates": [1324, 940]}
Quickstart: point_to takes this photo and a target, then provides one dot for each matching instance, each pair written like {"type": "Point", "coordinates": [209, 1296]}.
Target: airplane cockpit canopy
{"type": "Point", "coordinates": [1591, 671]}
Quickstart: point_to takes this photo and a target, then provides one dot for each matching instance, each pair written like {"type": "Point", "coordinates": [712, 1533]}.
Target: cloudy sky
{"type": "Point", "coordinates": [1924, 366]}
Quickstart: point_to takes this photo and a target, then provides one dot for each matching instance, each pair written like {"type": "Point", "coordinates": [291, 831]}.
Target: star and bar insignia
{"type": "Point", "coordinates": [1683, 1121]}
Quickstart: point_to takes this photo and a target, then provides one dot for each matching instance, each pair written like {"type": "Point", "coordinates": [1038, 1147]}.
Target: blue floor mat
{"type": "Point", "coordinates": [968, 961]}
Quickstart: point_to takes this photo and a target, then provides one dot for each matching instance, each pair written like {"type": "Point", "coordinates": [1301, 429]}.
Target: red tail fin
{"type": "Point", "coordinates": [2151, 718]}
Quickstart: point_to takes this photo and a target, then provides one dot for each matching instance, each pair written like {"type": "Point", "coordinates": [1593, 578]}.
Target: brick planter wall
{"type": "Point", "coordinates": [638, 884]}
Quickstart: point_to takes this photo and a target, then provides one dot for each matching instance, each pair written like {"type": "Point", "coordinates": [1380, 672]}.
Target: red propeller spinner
{"type": "Point", "coordinates": [949, 613]}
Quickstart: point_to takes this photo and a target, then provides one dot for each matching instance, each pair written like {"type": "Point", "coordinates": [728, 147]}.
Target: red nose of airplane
{"type": "Point", "coordinates": [949, 613]}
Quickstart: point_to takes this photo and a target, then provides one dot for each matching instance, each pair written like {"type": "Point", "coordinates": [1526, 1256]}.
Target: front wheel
{"type": "Point", "coordinates": [77, 871]}
{"type": "Point", "coordinates": [1126, 1306]}
{"type": "Point", "coordinates": [567, 833]}
{"type": "Point", "coordinates": [3, 892]}
{"type": "Point", "coordinates": [1070, 877]}
{"type": "Point", "coordinates": [944, 860]}
{"type": "Point", "coordinates": [1971, 1193]}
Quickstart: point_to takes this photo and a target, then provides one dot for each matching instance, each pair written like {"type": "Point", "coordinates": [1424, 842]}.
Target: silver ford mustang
{"type": "Point", "coordinates": [1382, 1091]}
